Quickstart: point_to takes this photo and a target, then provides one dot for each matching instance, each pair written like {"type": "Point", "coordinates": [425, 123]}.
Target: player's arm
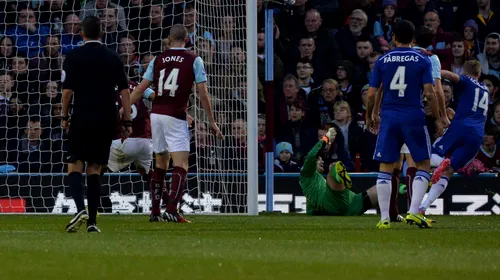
{"type": "Point", "coordinates": [438, 88]}
{"type": "Point", "coordinates": [432, 99]}
{"type": "Point", "coordinates": [454, 78]}
{"type": "Point", "coordinates": [311, 161]}
{"type": "Point", "coordinates": [68, 77]}
{"type": "Point", "coordinates": [146, 82]}
{"type": "Point", "coordinates": [375, 84]}
{"type": "Point", "coordinates": [202, 89]}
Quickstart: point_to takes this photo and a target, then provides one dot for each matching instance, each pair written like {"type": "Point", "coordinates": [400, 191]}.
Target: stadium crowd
{"type": "Point", "coordinates": [324, 53]}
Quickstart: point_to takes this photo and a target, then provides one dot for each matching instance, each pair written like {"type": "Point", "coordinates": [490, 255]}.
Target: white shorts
{"type": "Point", "coordinates": [133, 150]}
{"type": "Point", "coordinates": [404, 149]}
{"type": "Point", "coordinates": [169, 134]}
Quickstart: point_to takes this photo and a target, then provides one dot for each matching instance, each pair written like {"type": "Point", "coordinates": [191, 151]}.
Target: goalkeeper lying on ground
{"type": "Point", "coordinates": [332, 196]}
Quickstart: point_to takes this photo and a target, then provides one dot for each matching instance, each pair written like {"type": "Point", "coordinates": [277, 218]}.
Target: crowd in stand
{"type": "Point", "coordinates": [325, 51]}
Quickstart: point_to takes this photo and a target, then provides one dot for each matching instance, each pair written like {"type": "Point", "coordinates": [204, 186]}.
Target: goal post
{"type": "Point", "coordinates": [222, 176]}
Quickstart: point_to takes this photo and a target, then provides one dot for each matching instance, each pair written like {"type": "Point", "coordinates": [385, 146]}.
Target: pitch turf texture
{"type": "Point", "coordinates": [239, 247]}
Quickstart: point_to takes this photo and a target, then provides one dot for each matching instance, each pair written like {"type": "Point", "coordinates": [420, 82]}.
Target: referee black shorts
{"type": "Point", "coordinates": [90, 141]}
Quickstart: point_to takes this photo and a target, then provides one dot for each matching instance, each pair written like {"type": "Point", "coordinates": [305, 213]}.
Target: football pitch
{"type": "Point", "coordinates": [240, 247]}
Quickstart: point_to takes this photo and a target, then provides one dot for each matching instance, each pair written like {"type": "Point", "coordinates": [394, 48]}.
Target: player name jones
{"type": "Point", "coordinates": [401, 58]}
{"type": "Point", "coordinates": [174, 58]}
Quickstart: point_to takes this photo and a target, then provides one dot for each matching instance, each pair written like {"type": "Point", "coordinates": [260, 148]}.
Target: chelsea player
{"type": "Point", "coordinates": [404, 74]}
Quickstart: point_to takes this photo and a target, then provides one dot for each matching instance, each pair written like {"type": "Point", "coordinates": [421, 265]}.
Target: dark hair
{"type": "Point", "coordinates": [363, 38]}
{"type": "Point", "coordinates": [305, 61]}
{"type": "Point", "coordinates": [91, 27]}
{"type": "Point", "coordinates": [424, 36]}
{"type": "Point", "coordinates": [34, 119]}
{"type": "Point", "coordinates": [404, 31]}
{"type": "Point", "coordinates": [494, 80]}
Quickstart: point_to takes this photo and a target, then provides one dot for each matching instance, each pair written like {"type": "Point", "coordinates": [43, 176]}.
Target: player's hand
{"type": "Point", "coordinates": [120, 113]}
{"type": "Point", "coordinates": [190, 120]}
{"type": "Point", "coordinates": [216, 131]}
{"type": "Point", "coordinates": [126, 132]}
{"type": "Point", "coordinates": [439, 128]}
{"type": "Point", "coordinates": [450, 113]}
{"type": "Point", "coordinates": [446, 121]}
{"type": "Point", "coordinates": [331, 134]}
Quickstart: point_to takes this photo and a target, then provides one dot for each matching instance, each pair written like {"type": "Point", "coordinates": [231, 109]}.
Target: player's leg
{"type": "Point", "coordinates": [157, 184]}
{"type": "Point", "coordinates": [338, 178]}
{"type": "Point", "coordinates": [461, 157]}
{"type": "Point", "coordinates": [418, 141]}
{"type": "Point", "coordinates": [387, 151]}
{"type": "Point", "coordinates": [177, 138]}
{"type": "Point", "coordinates": [393, 206]}
{"type": "Point", "coordinates": [93, 172]}
{"type": "Point", "coordinates": [411, 172]}
{"type": "Point", "coordinates": [75, 170]}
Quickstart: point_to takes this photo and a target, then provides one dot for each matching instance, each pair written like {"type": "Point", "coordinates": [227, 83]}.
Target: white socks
{"type": "Point", "coordinates": [420, 184]}
{"type": "Point", "coordinates": [436, 191]}
{"type": "Point", "coordinates": [384, 194]}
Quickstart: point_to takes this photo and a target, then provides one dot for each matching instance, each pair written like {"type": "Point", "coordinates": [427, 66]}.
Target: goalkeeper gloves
{"type": "Point", "coordinates": [330, 135]}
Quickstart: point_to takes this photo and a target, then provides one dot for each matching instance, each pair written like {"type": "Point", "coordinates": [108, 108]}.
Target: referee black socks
{"type": "Point", "coordinates": [76, 190]}
{"type": "Point", "coordinates": [93, 196]}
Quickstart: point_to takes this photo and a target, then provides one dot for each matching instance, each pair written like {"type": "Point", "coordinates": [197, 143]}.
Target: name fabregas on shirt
{"type": "Point", "coordinates": [401, 58]}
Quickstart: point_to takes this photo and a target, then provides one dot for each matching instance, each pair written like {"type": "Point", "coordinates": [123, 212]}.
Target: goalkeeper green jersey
{"type": "Point", "coordinates": [320, 198]}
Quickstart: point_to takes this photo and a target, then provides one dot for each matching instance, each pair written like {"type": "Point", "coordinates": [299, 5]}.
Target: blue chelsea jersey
{"type": "Point", "coordinates": [402, 72]}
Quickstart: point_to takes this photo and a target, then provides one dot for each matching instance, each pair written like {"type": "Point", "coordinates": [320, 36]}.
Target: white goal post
{"type": "Point", "coordinates": [223, 175]}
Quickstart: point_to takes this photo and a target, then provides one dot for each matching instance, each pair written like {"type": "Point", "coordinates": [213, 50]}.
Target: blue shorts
{"type": "Point", "coordinates": [460, 144]}
{"type": "Point", "coordinates": [392, 136]}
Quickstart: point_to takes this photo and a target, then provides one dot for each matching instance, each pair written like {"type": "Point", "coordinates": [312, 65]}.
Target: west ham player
{"type": "Point", "coordinates": [172, 74]}
{"type": "Point", "coordinates": [402, 72]}
{"type": "Point", "coordinates": [463, 139]}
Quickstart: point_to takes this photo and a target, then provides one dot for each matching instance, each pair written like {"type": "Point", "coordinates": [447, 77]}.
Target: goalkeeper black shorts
{"type": "Point", "coordinates": [90, 141]}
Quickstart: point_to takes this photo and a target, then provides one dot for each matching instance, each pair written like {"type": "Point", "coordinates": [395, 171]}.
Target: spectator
{"type": "Point", "coordinates": [372, 59]}
{"type": "Point", "coordinates": [51, 14]}
{"type": "Point", "coordinates": [128, 54]}
{"type": "Point", "coordinates": [226, 38]}
{"type": "Point", "coordinates": [416, 11]}
{"type": "Point", "coordinates": [291, 94]}
{"type": "Point", "coordinates": [447, 10]}
{"type": "Point", "coordinates": [307, 47]}
{"type": "Point", "coordinates": [488, 154]}
{"type": "Point", "coordinates": [96, 8]}
{"type": "Point", "coordinates": [146, 59]}
{"type": "Point", "coordinates": [112, 31]}
{"type": "Point", "coordinates": [441, 41]}
{"type": "Point", "coordinates": [278, 70]}
{"type": "Point", "coordinates": [202, 144]}
{"type": "Point", "coordinates": [194, 30]}
{"type": "Point", "coordinates": [153, 30]}
{"type": "Point", "coordinates": [368, 139]}
{"type": "Point", "coordinates": [486, 18]}
{"type": "Point", "coordinates": [25, 87]}
{"type": "Point", "coordinates": [490, 58]}
{"type": "Point", "coordinates": [326, 45]}
{"type": "Point", "coordinates": [350, 91]}
{"type": "Point", "coordinates": [493, 123]}
{"type": "Point", "coordinates": [28, 35]}
{"type": "Point", "coordinates": [298, 132]}
{"type": "Point", "coordinates": [31, 154]}
{"type": "Point", "coordinates": [364, 48]}
{"type": "Point", "coordinates": [47, 66]}
{"type": "Point", "coordinates": [236, 149]}
{"type": "Point", "coordinates": [347, 36]}
{"type": "Point", "coordinates": [304, 74]}
{"type": "Point", "coordinates": [350, 130]}
{"type": "Point", "coordinates": [470, 36]}
{"type": "Point", "coordinates": [459, 55]}
{"type": "Point", "coordinates": [135, 11]}
{"type": "Point", "coordinates": [51, 92]}
{"type": "Point", "coordinates": [291, 19]}
{"type": "Point", "coordinates": [382, 30]}
{"type": "Point", "coordinates": [493, 84]}
{"type": "Point", "coordinates": [206, 50]}
{"type": "Point", "coordinates": [449, 98]}
{"type": "Point", "coordinates": [7, 51]}
{"type": "Point", "coordinates": [283, 162]}
{"type": "Point", "coordinates": [320, 103]}
{"type": "Point", "coordinates": [261, 139]}
{"type": "Point", "coordinates": [71, 37]}
{"type": "Point", "coordinates": [174, 11]}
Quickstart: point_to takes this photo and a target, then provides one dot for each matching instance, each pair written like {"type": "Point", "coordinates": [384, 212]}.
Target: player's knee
{"type": "Point", "coordinates": [93, 169]}
{"type": "Point", "coordinates": [424, 165]}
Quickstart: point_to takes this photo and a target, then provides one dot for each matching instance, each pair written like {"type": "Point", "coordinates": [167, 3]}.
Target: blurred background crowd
{"type": "Point", "coordinates": [324, 52]}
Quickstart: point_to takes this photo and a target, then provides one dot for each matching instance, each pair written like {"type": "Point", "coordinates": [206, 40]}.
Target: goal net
{"type": "Point", "coordinates": [36, 35]}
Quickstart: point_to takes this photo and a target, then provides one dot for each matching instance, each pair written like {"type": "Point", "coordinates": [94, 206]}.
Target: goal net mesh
{"type": "Point", "coordinates": [36, 35]}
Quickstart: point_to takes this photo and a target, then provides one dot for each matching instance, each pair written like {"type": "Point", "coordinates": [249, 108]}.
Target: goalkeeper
{"type": "Point", "coordinates": [332, 196]}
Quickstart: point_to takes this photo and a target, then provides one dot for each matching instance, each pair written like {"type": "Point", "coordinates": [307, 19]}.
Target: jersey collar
{"type": "Point", "coordinates": [182, 49]}
{"type": "Point", "coordinates": [93, 41]}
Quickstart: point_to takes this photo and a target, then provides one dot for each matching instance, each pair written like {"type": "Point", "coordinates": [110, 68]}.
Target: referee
{"type": "Point", "coordinates": [92, 74]}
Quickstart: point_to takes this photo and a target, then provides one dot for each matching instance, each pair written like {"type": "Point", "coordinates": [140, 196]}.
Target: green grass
{"type": "Point", "coordinates": [264, 247]}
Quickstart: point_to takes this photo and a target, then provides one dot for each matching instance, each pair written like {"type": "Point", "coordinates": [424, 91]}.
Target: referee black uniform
{"type": "Point", "coordinates": [93, 73]}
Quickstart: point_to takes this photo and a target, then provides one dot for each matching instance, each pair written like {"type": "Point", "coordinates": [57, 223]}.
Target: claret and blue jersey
{"type": "Point", "coordinates": [402, 72]}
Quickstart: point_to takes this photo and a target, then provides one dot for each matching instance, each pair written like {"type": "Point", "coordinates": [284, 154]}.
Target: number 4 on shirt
{"type": "Point", "coordinates": [398, 81]}
{"type": "Point", "coordinates": [170, 83]}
